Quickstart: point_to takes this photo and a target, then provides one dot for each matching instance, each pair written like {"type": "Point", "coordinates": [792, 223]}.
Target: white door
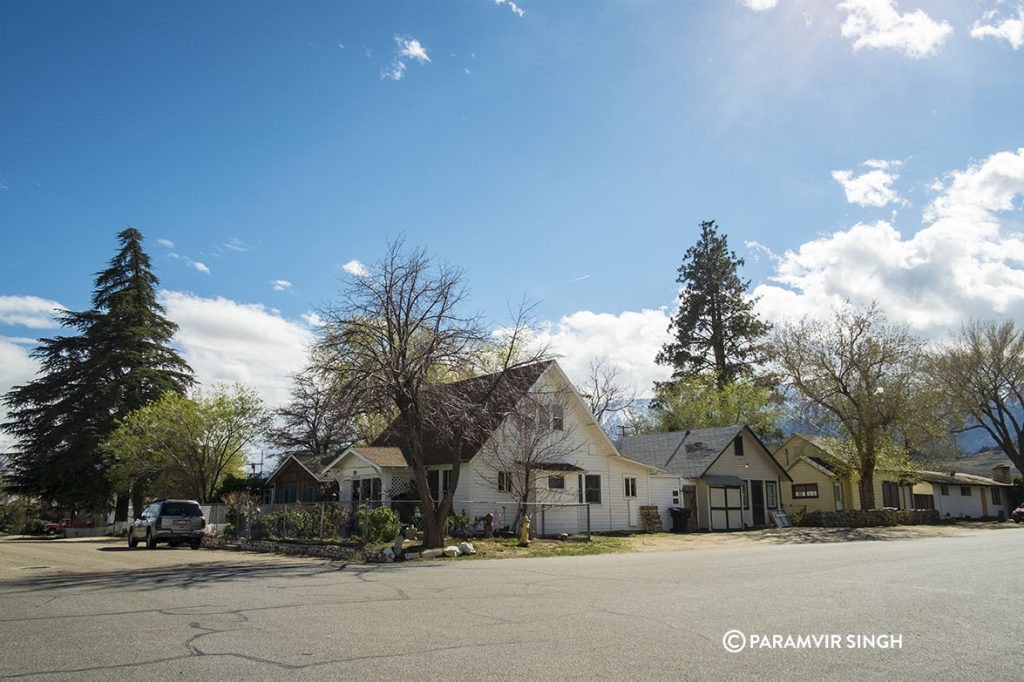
{"type": "Point", "coordinates": [633, 510]}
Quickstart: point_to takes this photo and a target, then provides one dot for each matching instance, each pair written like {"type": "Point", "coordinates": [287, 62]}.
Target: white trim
{"type": "Point", "coordinates": [282, 465]}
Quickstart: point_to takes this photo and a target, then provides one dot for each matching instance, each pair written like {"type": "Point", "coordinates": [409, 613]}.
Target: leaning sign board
{"type": "Point", "coordinates": [781, 519]}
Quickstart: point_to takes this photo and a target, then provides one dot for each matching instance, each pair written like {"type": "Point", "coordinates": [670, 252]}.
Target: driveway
{"type": "Point", "coordinates": [89, 610]}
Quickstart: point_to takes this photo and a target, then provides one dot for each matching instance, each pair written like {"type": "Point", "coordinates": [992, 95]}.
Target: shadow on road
{"type": "Point", "coordinates": [182, 576]}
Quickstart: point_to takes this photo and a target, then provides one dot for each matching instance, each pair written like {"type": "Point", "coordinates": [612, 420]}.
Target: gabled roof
{"type": "Point", "coordinates": [311, 463]}
{"type": "Point", "coordinates": [382, 456]}
{"type": "Point", "coordinates": [954, 478]}
{"type": "Point", "coordinates": [819, 464]}
{"type": "Point", "coordinates": [510, 389]}
{"type": "Point", "coordinates": [684, 453]}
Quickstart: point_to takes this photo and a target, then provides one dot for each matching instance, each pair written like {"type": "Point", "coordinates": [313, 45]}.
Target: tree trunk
{"type": "Point", "coordinates": [137, 500]}
{"type": "Point", "coordinates": [867, 489]}
{"type": "Point", "coordinates": [121, 508]}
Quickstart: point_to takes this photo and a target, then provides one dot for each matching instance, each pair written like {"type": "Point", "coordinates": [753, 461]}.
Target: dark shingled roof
{"type": "Point", "coordinates": [512, 387]}
{"type": "Point", "coordinates": [954, 478]}
{"type": "Point", "coordinates": [685, 453]}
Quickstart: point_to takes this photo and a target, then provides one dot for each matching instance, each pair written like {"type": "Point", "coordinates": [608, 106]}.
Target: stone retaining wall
{"type": "Point", "coordinates": [334, 552]}
{"type": "Point", "coordinates": [860, 518]}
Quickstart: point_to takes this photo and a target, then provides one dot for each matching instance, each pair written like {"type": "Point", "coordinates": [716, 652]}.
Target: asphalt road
{"type": "Point", "coordinates": [95, 611]}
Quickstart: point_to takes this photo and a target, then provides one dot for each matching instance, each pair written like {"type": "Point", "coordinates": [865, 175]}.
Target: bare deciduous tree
{"type": "Point", "coordinates": [604, 391]}
{"type": "Point", "coordinates": [396, 329]}
{"type": "Point", "coordinates": [981, 374]}
{"type": "Point", "coordinates": [533, 441]}
{"type": "Point", "coordinates": [861, 371]}
{"type": "Point", "coordinates": [317, 421]}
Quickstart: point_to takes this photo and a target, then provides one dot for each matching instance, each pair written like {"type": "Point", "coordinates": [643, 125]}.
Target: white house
{"type": "Point", "coordinates": [725, 476]}
{"type": "Point", "coordinates": [581, 481]}
{"type": "Point", "coordinates": [961, 496]}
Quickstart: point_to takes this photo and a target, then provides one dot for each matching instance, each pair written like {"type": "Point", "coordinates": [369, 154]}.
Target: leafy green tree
{"type": "Point", "coordinates": [716, 330]}
{"type": "Point", "coordinates": [697, 403]}
{"type": "Point", "coordinates": [862, 375]}
{"type": "Point", "coordinates": [118, 359]}
{"type": "Point", "coordinates": [181, 446]}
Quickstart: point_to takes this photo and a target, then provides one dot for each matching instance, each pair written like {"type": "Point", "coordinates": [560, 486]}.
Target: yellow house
{"type": "Point", "coordinates": [816, 487]}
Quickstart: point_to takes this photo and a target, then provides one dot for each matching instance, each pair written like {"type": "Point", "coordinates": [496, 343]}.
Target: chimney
{"type": "Point", "coordinates": [1001, 473]}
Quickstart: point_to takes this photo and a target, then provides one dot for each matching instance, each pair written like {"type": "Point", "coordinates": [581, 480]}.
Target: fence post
{"type": "Point", "coordinates": [588, 521]}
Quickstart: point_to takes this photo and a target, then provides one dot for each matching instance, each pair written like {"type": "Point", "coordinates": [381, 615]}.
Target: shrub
{"type": "Point", "coordinates": [458, 525]}
{"type": "Point", "coordinates": [378, 525]}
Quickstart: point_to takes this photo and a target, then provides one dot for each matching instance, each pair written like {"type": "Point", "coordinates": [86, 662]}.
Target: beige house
{"type": "Point", "coordinates": [816, 487]}
{"type": "Point", "coordinates": [725, 476]}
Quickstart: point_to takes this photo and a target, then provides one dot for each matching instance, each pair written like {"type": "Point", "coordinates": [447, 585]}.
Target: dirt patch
{"type": "Point", "coordinates": [667, 542]}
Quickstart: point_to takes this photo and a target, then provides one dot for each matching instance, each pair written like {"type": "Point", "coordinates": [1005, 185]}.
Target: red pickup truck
{"type": "Point", "coordinates": [53, 528]}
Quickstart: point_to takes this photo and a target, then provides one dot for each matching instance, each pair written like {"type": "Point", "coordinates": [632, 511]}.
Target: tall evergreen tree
{"type": "Point", "coordinates": [117, 359]}
{"type": "Point", "coordinates": [716, 330]}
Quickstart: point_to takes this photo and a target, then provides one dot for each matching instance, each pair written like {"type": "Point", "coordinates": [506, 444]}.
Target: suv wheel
{"type": "Point", "coordinates": [150, 540]}
{"type": "Point", "coordinates": [133, 541]}
{"type": "Point", "coordinates": [194, 544]}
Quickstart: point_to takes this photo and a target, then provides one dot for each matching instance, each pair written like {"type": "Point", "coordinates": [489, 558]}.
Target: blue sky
{"type": "Point", "coordinates": [563, 151]}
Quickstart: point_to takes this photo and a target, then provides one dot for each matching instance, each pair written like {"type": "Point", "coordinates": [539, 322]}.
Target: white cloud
{"type": "Point", "coordinates": [29, 311]}
{"type": "Point", "coordinates": [878, 24]}
{"type": "Point", "coordinates": [166, 243]}
{"type": "Point", "coordinates": [873, 188]}
{"type": "Point", "coordinates": [312, 318]}
{"type": "Point", "coordinates": [216, 337]}
{"type": "Point", "coordinates": [1010, 30]}
{"type": "Point", "coordinates": [16, 367]}
{"type": "Point", "coordinates": [394, 72]}
{"type": "Point", "coordinates": [412, 49]}
{"type": "Point", "coordinates": [354, 267]}
{"type": "Point", "coordinates": [759, 5]}
{"type": "Point", "coordinates": [628, 341]}
{"type": "Point", "coordinates": [237, 245]}
{"type": "Point", "coordinates": [200, 266]}
{"type": "Point", "coordinates": [281, 285]}
{"type": "Point", "coordinates": [967, 262]}
{"type": "Point", "coordinates": [405, 49]}
{"type": "Point", "coordinates": [516, 9]}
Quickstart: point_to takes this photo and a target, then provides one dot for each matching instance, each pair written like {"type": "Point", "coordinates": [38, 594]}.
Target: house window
{"type": "Point", "coordinates": [551, 417]}
{"type": "Point", "coordinates": [590, 488]}
{"type": "Point", "coordinates": [997, 497]}
{"type": "Point", "coordinates": [745, 494]}
{"type": "Point", "coordinates": [737, 445]}
{"type": "Point", "coordinates": [771, 494]}
{"type": "Point", "coordinates": [805, 491]}
{"type": "Point", "coordinates": [504, 481]}
{"type": "Point", "coordinates": [944, 489]}
{"type": "Point", "coordinates": [557, 418]}
{"type": "Point", "coordinates": [439, 481]}
{"type": "Point", "coordinates": [630, 490]}
{"type": "Point", "coordinates": [965, 491]}
{"type": "Point", "coordinates": [556, 482]}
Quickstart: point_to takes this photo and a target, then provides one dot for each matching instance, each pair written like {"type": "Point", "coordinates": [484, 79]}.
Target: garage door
{"type": "Point", "coordinates": [726, 508]}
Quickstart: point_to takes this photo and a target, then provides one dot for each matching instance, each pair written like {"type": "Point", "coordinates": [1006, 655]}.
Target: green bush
{"type": "Point", "coordinates": [379, 525]}
{"type": "Point", "coordinates": [458, 525]}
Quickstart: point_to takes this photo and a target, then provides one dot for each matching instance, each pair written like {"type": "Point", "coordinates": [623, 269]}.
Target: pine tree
{"type": "Point", "coordinates": [716, 330]}
{"type": "Point", "coordinates": [116, 360]}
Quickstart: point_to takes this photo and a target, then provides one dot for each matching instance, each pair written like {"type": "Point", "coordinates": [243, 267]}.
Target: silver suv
{"type": "Point", "coordinates": [172, 521]}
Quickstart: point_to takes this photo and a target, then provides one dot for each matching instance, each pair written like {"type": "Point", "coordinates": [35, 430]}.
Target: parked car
{"type": "Point", "coordinates": [1018, 514]}
{"type": "Point", "coordinates": [175, 522]}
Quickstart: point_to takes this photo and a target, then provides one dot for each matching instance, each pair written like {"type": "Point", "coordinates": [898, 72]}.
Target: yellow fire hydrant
{"type": "Point", "coordinates": [524, 532]}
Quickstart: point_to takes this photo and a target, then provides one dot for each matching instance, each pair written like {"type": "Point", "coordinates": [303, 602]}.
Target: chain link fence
{"type": "Point", "coordinates": [340, 521]}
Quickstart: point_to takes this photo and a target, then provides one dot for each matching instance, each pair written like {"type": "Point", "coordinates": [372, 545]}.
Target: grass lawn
{"type": "Point", "coordinates": [508, 548]}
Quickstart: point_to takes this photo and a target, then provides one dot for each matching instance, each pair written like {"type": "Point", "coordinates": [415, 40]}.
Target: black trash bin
{"type": "Point", "coordinates": [680, 519]}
